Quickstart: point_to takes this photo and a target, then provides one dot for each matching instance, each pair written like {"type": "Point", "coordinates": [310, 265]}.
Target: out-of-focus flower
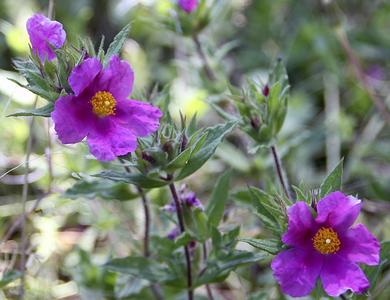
{"type": "Point", "coordinates": [188, 5]}
{"type": "Point", "coordinates": [44, 34]}
{"type": "Point", "coordinates": [187, 198]}
{"type": "Point", "coordinates": [174, 233]}
{"type": "Point", "coordinates": [100, 110]}
{"type": "Point", "coordinates": [325, 247]}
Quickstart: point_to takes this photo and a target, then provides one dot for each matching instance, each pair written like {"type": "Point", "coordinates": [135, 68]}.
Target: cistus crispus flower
{"type": "Point", "coordinates": [100, 111]}
{"type": "Point", "coordinates": [45, 34]}
{"type": "Point", "coordinates": [325, 246]}
{"type": "Point", "coordinates": [188, 5]}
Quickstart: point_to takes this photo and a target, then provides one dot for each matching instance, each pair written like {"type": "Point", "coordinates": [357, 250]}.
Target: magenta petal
{"type": "Point", "coordinates": [44, 32]}
{"type": "Point", "coordinates": [84, 74]}
{"type": "Point", "coordinates": [297, 270]}
{"type": "Point", "coordinates": [338, 211]}
{"type": "Point", "coordinates": [339, 275]}
{"type": "Point", "coordinates": [109, 140]}
{"type": "Point", "coordinates": [72, 119]}
{"type": "Point", "coordinates": [117, 78]}
{"type": "Point", "coordinates": [300, 225]}
{"type": "Point", "coordinates": [188, 5]}
{"type": "Point", "coordinates": [359, 245]}
{"type": "Point", "coordinates": [140, 117]}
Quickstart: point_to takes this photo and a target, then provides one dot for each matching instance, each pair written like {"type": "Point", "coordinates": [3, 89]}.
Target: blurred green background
{"type": "Point", "coordinates": [330, 116]}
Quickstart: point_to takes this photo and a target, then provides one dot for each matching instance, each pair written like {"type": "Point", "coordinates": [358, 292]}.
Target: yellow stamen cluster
{"type": "Point", "coordinates": [326, 241]}
{"type": "Point", "coordinates": [103, 104]}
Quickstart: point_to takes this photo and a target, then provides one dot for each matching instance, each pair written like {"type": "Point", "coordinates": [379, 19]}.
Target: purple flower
{"type": "Point", "coordinates": [44, 34]}
{"type": "Point", "coordinates": [100, 110]}
{"type": "Point", "coordinates": [173, 234]}
{"type": "Point", "coordinates": [188, 5]}
{"type": "Point", "coordinates": [189, 198]}
{"type": "Point", "coordinates": [171, 208]}
{"type": "Point", "coordinates": [325, 246]}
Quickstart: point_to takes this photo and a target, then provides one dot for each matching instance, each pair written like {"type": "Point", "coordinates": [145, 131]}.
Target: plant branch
{"type": "Point", "coordinates": [182, 230]}
{"type": "Point", "coordinates": [279, 171]}
{"type": "Point", "coordinates": [209, 72]}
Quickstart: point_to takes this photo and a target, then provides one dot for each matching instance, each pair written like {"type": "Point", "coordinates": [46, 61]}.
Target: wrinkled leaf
{"type": "Point", "coordinates": [117, 44]}
{"type": "Point", "coordinates": [140, 267]}
{"type": "Point", "coordinates": [218, 269]}
{"type": "Point", "coordinates": [198, 158]}
{"type": "Point", "coordinates": [269, 246]}
{"type": "Point", "coordinates": [138, 179]}
{"type": "Point", "coordinates": [44, 111]}
{"type": "Point", "coordinates": [333, 181]}
{"type": "Point", "coordinates": [104, 189]}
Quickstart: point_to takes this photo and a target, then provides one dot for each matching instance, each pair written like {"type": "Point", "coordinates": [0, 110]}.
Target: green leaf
{"type": "Point", "coordinates": [218, 269]}
{"type": "Point", "coordinates": [268, 209]}
{"type": "Point", "coordinates": [46, 93]}
{"type": "Point", "coordinates": [127, 286]}
{"type": "Point", "coordinates": [138, 179]}
{"type": "Point", "coordinates": [104, 189]}
{"type": "Point", "coordinates": [333, 181]}
{"type": "Point", "coordinates": [44, 111]}
{"type": "Point", "coordinates": [269, 246]}
{"type": "Point", "coordinates": [219, 196]}
{"type": "Point", "coordinates": [200, 224]}
{"type": "Point", "coordinates": [183, 239]}
{"type": "Point", "coordinates": [242, 197]}
{"type": "Point", "coordinates": [214, 136]}
{"type": "Point", "coordinates": [373, 272]}
{"type": "Point", "coordinates": [140, 267]}
{"type": "Point", "coordinates": [9, 277]}
{"type": "Point", "coordinates": [117, 44]}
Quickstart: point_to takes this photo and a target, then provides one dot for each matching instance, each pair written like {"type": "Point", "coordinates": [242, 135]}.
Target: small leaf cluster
{"type": "Point", "coordinates": [172, 154]}
{"type": "Point", "coordinates": [263, 108]}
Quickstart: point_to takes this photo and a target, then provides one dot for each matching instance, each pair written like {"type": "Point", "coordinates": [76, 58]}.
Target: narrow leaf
{"type": "Point", "coordinates": [117, 44]}
{"type": "Point", "coordinates": [333, 181]}
{"type": "Point", "coordinates": [137, 179]}
{"type": "Point", "coordinates": [219, 196]}
{"type": "Point", "coordinates": [44, 111]}
{"type": "Point", "coordinates": [270, 246]}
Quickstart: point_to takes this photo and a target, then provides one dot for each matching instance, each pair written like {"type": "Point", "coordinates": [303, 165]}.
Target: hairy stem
{"type": "Point", "coordinates": [23, 240]}
{"type": "Point", "coordinates": [49, 156]}
{"type": "Point", "coordinates": [279, 171]}
{"type": "Point", "coordinates": [182, 230]}
{"type": "Point", "coordinates": [145, 204]}
{"type": "Point", "coordinates": [209, 72]}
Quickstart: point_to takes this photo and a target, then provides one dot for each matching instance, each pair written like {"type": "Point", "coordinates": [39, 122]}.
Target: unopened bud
{"type": "Point", "coordinates": [265, 90]}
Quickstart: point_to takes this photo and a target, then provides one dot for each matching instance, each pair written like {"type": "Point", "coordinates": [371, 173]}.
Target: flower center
{"type": "Point", "coordinates": [103, 104]}
{"type": "Point", "coordinates": [326, 241]}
